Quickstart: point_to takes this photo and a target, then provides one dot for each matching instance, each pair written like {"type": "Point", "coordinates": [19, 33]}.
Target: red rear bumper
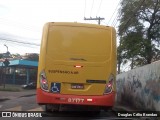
{"type": "Point", "coordinates": [50, 98]}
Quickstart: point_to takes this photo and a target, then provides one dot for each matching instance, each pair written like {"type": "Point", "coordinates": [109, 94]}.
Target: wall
{"type": "Point", "coordinates": [140, 87]}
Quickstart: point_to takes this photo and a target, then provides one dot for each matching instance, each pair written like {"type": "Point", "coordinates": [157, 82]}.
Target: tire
{"type": "Point", "coordinates": [106, 109]}
{"type": "Point", "coordinates": [48, 108]}
{"type": "Point", "coordinates": [96, 112]}
{"type": "Point", "coordinates": [52, 107]}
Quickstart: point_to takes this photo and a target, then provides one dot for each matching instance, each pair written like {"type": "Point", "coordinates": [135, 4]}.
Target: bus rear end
{"type": "Point", "coordinates": [77, 65]}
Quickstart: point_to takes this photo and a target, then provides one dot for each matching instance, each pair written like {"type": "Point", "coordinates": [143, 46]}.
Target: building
{"type": "Point", "coordinates": [18, 72]}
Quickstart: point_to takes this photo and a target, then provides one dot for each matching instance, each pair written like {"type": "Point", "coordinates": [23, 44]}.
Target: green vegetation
{"type": "Point", "coordinates": [139, 32]}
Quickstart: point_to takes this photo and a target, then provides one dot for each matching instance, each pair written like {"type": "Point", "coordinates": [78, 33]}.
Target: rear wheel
{"type": "Point", "coordinates": [94, 110]}
{"type": "Point", "coordinates": [95, 113]}
{"type": "Point", "coordinates": [106, 109]}
{"type": "Point", "coordinates": [52, 107]}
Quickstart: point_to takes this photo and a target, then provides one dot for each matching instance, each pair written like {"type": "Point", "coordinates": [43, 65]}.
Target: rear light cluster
{"type": "Point", "coordinates": [43, 81]}
{"type": "Point", "coordinates": [109, 85]}
{"type": "Point", "coordinates": [78, 66]}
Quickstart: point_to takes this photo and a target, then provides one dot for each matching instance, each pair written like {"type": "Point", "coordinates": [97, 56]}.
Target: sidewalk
{"type": "Point", "coordinates": [126, 108]}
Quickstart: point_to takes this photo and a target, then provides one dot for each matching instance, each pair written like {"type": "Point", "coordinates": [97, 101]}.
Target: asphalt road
{"type": "Point", "coordinates": [26, 101]}
{"type": "Point", "coordinates": [21, 102]}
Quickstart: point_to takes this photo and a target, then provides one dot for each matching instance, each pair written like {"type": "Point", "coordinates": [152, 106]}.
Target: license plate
{"type": "Point", "coordinates": [77, 86]}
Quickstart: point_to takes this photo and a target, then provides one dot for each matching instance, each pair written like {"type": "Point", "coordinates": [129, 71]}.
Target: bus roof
{"type": "Point", "coordinates": [79, 25]}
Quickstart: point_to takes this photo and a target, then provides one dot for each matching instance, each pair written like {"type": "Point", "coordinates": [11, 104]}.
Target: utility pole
{"type": "Point", "coordinates": [6, 47]}
{"type": "Point", "coordinates": [97, 18]}
{"type": "Point", "coordinates": [6, 63]}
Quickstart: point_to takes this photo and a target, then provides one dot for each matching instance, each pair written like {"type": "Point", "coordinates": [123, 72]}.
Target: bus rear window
{"type": "Point", "coordinates": [79, 40]}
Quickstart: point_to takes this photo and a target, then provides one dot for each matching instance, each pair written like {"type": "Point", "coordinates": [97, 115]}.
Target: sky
{"type": "Point", "coordinates": [23, 20]}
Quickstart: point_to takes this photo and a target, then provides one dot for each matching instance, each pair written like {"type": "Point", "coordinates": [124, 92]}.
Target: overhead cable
{"type": "Point", "coordinates": [5, 39]}
{"type": "Point", "coordinates": [92, 8]}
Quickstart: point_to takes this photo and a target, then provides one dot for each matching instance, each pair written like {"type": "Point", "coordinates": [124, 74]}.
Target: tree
{"type": "Point", "coordinates": [140, 31]}
{"type": "Point", "coordinates": [31, 56]}
{"type": "Point", "coordinates": [16, 56]}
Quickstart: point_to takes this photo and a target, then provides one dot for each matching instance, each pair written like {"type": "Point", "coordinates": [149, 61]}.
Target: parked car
{"type": "Point", "coordinates": [31, 85]}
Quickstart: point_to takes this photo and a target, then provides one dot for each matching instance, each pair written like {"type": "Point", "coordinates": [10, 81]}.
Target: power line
{"type": "Point", "coordinates": [118, 15]}
{"type": "Point", "coordinates": [104, 22]}
{"type": "Point", "coordinates": [4, 34]}
{"type": "Point", "coordinates": [17, 45]}
{"type": "Point", "coordinates": [17, 22]}
{"type": "Point", "coordinates": [20, 25]}
{"type": "Point", "coordinates": [99, 8]}
{"type": "Point", "coordinates": [114, 12]}
{"type": "Point", "coordinates": [91, 8]}
{"type": "Point", "coordinates": [97, 18]}
{"type": "Point", "coordinates": [5, 39]}
{"type": "Point", "coordinates": [12, 40]}
{"type": "Point", "coordinates": [85, 8]}
{"type": "Point", "coordinates": [116, 20]}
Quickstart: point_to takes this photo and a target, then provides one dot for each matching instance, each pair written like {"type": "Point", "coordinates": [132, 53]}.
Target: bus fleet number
{"type": "Point", "coordinates": [75, 100]}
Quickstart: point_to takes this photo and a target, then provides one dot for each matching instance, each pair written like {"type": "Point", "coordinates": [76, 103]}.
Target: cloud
{"type": "Point", "coordinates": [25, 18]}
{"type": "Point", "coordinates": [4, 10]}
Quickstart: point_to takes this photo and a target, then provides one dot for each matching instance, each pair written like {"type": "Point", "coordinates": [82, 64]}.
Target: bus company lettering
{"type": "Point", "coordinates": [63, 71]}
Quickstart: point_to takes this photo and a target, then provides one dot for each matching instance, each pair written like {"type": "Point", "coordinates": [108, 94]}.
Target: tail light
{"type": "Point", "coordinates": [78, 66]}
{"type": "Point", "coordinates": [43, 81]}
{"type": "Point", "coordinates": [109, 85]}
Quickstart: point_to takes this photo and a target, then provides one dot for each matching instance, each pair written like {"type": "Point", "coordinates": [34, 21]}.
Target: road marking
{"type": "Point", "coordinates": [17, 108]}
{"type": "Point", "coordinates": [36, 109]}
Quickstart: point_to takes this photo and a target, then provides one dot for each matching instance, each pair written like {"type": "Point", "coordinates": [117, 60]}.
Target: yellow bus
{"type": "Point", "coordinates": [77, 66]}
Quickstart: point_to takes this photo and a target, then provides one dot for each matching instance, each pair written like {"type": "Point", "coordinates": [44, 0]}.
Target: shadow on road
{"type": "Point", "coordinates": [72, 114]}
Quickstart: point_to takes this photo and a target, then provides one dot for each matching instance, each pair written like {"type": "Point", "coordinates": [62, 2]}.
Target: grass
{"type": "Point", "coordinates": [10, 87]}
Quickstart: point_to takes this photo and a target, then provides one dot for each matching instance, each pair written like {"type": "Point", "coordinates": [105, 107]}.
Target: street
{"type": "Point", "coordinates": [26, 101]}
{"type": "Point", "coordinates": [19, 101]}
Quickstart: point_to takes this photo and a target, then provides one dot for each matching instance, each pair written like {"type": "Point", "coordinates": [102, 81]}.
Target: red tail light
{"type": "Point", "coordinates": [43, 81]}
{"type": "Point", "coordinates": [109, 85]}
